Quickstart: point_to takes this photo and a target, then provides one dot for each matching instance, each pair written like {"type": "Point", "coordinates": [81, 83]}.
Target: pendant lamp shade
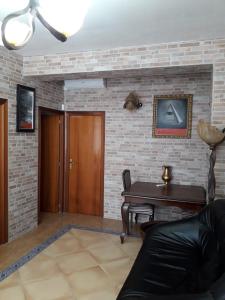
{"type": "Point", "coordinates": [61, 18]}
{"type": "Point", "coordinates": [67, 17]}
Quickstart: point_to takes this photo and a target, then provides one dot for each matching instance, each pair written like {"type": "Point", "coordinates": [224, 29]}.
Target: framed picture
{"type": "Point", "coordinates": [172, 116]}
{"type": "Point", "coordinates": [25, 109]}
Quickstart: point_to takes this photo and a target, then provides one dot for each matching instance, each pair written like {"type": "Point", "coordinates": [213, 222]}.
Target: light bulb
{"type": "Point", "coordinates": [18, 33]}
{"type": "Point", "coordinates": [66, 16]}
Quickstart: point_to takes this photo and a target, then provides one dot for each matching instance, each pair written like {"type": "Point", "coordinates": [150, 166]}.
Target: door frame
{"type": "Point", "coordinates": [4, 165]}
{"type": "Point", "coordinates": [41, 111]}
{"type": "Point", "coordinates": [66, 165]}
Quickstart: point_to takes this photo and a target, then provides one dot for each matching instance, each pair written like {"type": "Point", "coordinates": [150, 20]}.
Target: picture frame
{"type": "Point", "coordinates": [172, 116]}
{"type": "Point", "coordinates": [25, 121]}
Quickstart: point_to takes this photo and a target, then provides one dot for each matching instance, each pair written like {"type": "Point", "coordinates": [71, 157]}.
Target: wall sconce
{"type": "Point", "coordinates": [213, 137]}
{"type": "Point", "coordinates": [132, 102]}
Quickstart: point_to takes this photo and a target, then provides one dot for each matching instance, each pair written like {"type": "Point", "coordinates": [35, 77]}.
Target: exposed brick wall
{"type": "Point", "coordinates": [23, 147]}
{"type": "Point", "coordinates": [127, 58]}
{"type": "Point", "coordinates": [93, 63]}
{"type": "Point", "coordinates": [143, 57]}
{"type": "Point", "coordinates": [129, 142]}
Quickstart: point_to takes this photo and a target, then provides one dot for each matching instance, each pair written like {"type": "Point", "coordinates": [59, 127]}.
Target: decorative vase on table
{"type": "Point", "coordinates": [166, 176]}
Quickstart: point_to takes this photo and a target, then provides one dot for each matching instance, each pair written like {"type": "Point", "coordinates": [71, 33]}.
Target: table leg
{"type": "Point", "coordinates": [125, 220]}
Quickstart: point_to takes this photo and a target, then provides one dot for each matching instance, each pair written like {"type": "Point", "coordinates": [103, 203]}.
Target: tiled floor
{"type": "Point", "coordinates": [81, 265]}
{"type": "Point", "coordinates": [50, 223]}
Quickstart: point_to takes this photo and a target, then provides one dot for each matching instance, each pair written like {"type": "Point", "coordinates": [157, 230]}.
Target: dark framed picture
{"type": "Point", "coordinates": [172, 116]}
{"type": "Point", "coordinates": [25, 109]}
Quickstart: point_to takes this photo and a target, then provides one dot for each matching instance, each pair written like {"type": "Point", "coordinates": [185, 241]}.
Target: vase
{"type": "Point", "coordinates": [166, 176]}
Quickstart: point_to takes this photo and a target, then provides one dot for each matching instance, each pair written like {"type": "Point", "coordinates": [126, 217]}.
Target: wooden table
{"type": "Point", "coordinates": [184, 196]}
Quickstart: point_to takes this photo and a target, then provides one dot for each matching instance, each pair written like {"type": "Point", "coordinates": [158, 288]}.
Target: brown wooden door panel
{"type": "Point", "coordinates": [50, 158]}
{"type": "Point", "coordinates": [73, 169]}
{"type": "Point", "coordinates": [2, 149]}
{"type": "Point", "coordinates": [85, 160]}
{"type": "Point", "coordinates": [3, 171]}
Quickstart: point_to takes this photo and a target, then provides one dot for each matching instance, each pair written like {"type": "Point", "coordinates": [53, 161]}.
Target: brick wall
{"type": "Point", "coordinates": [129, 142]}
{"type": "Point", "coordinates": [23, 147]}
{"type": "Point", "coordinates": [112, 62]}
{"type": "Point", "coordinates": [136, 59]}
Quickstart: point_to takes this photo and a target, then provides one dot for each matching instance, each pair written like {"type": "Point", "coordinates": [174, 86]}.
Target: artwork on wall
{"type": "Point", "coordinates": [25, 108]}
{"type": "Point", "coordinates": [172, 116]}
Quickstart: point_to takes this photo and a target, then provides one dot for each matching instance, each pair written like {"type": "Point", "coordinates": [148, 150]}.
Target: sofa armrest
{"type": "Point", "coordinates": [171, 260]}
{"type": "Point", "coordinates": [188, 245]}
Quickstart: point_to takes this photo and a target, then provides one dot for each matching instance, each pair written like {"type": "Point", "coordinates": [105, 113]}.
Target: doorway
{"type": "Point", "coordinates": [85, 162]}
{"type": "Point", "coordinates": [51, 153]}
{"type": "Point", "coordinates": [3, 171]}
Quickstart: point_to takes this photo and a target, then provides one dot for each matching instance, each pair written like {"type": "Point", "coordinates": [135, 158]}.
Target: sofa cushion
{"type": "Point", "coordinates": [213, 216]}
{"type": "Point", "coordinates": [147, 296]}
{"type": "Point", "coordinates": [218, 288]}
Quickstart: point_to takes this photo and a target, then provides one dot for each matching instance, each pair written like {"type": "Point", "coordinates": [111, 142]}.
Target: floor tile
{"type": "Point", "coordinates": [39, 268]}
{"type": "Point", "coordinates": [131, 247]}
{"type": "Point", "coordinates": [107, 253]}
{"type": "Point", "coordinates": [49, 224]}
{"type": "Point", "coordinates": [12, 293]}
{"type": "Point", "coordinates": [63, 246]}
{"type": "Point", "coordinates": [109, 294]}
{"type": "Point", "coordinates": [118, 269]}
{"type": "Point", "coordinates": [75, 262]}
{"type": "Point", "coordinates": [12, 280]}
{"type": "Point", "coordinates": [51, 289]}
{"type": "Point", "coordinates": [80, 265]}
{"type": "Point", "coordinates": [89, 238]}
{"type": "Point", "coordinates": [87, 281]}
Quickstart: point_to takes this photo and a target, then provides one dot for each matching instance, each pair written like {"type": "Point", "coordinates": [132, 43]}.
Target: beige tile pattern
{"type": "Point", "coordinates": [39, 268]}
{"type": "Point", "coordinates": [50, 223]}
{"type": "Point", "coordinates": [12, 293]}
{"type": "Point", "coordinates": [81, 265]}
{"type": "Point", "coordinates": [76, 262]}
{"type": "Point", "coordinates": [99, 295]}
{"type": "Point", "coordinates": [55, 287]}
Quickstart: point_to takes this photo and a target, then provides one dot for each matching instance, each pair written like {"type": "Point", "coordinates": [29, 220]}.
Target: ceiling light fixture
{"type": "Point", "coordinates": [61, 18]}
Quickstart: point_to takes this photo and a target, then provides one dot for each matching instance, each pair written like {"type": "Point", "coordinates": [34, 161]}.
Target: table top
{"type": "Point", "coordinates": [171, 192]}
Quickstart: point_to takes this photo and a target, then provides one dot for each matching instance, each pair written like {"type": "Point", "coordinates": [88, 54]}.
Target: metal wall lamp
{"type": "Point", "coordinates": [18, 27]}
{"type": "Point", "coordinates": [132, 102]}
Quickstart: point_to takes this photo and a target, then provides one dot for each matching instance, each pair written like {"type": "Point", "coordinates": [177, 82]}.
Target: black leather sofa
{"type": "Point", "coordinates": [181, 260]}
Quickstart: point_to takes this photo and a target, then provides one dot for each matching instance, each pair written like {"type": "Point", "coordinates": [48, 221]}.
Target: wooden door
{"type": "Point", "coordinates": [50, 160]}
{"type": "Point", "coordinates": [3, 172]}
{"type": "Point", "coordinates": [85, 163]}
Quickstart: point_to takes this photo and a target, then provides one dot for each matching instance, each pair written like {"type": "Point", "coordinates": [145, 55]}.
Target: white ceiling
{"type": "Point", "coordinates": [118, 23]}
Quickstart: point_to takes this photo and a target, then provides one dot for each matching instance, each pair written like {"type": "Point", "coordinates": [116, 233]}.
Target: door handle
{"type": "Point", "coordinates": [71, 163]}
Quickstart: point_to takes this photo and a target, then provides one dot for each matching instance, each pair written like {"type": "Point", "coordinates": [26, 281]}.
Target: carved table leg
{"type": "Point", "coordinates": [125, 220]}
